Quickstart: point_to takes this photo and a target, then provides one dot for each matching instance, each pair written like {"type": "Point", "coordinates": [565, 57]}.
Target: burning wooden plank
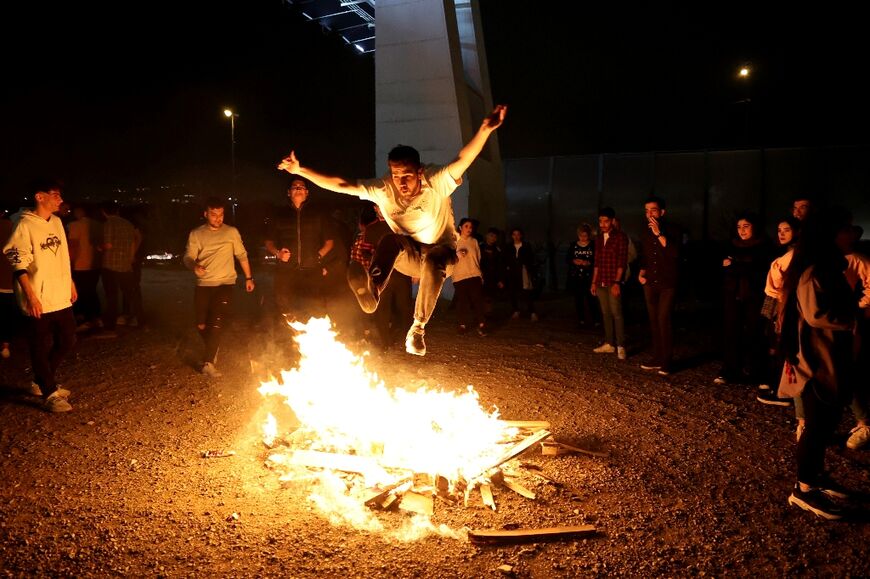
{"type": "Point", "coordinates": [380, 496]}
{"type": "Point", "coordinates": [486, 496]}
{"type": "Point", "coordinates": [527, 424]}
{"type": "Point", "coordinates": [500, 537]}
{"type": "Point", "coordinates": [417, 503]}
{"type": "Point", "coordinates": [521, 447]}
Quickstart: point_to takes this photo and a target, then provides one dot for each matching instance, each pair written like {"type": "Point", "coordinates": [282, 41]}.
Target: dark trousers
{"type": "Point", "coordinates": [822, 418]}
{"type": "Point", "coordinates": [660, 308]}
{"type": "Point", "coordinates": [424, 261]}
{"type": "Point", "coordinates": [585, 304]}
{"type": "Point", "coordinates": [212, 308]}
{"type": "Point", "coordinates": [88, 304]}
{"type": "Point", "coordinates": [743, 345]}
{"type": "Point", "coordinates": [395, 308]}
{"type": "Point", "coordinates": [469, 301]}
{"type": "Point", "coordinates": [299, 293]}
{"type": "Point", "coordinates": [113, 281]}
{"type": "Point", "coordinates": [520, 296]}
{"type": "Point", "coordinates": [51, 337]}
{"type": "Point", "coordinates": [135, 302]}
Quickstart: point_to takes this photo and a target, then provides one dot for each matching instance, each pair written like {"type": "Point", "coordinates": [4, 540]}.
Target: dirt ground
{"type": "Point", "coordinates": [696, 482]}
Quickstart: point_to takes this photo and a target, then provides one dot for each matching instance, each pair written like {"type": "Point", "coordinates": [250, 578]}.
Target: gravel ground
{"type": "Point", "coordinates": [695, 484]}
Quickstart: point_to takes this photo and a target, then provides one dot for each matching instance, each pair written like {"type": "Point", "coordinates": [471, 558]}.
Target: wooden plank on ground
{"type": "Point", "coordinates": [521, 447]}
{"type": "Point", "coordinates": [597, 453]}
{"type": "Point", "coordinates": [379, 496]}
{"type": "Point", "coordinates": [518, 488]}
{"type": "Point", "coordinates": [527, 424]}
{"type": "Point", "coordinates": [500, 537]}
{"type": "Point", "coordinates": [486, 496]}
{"type": "Point", "coordinates": [416, 503]}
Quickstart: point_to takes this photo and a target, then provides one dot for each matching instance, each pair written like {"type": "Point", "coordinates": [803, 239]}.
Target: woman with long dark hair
{"type": "Point", "coordinates": [818, 323]}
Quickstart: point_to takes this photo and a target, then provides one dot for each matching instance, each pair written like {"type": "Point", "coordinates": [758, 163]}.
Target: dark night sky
{"type": "Point", "coordinates": [126, 94]}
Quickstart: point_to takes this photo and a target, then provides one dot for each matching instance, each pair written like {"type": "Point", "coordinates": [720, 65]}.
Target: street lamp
{"type": "Point", "coordinates": [232, 116]}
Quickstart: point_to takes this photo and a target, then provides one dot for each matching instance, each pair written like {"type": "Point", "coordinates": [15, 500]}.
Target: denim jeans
{"type": "Point", "coordinates": [611, 312]}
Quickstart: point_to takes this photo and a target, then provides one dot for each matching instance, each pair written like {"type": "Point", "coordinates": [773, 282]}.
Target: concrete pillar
{"type": "Point", "coordinates": [432, 92]}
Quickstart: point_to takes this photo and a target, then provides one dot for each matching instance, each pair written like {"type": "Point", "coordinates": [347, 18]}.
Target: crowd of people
{"type": "Point", "coordinates": [793, 312]}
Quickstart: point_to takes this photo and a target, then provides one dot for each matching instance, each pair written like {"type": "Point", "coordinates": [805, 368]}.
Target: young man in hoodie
{"type": "Point", "coordinates": [39, 256]}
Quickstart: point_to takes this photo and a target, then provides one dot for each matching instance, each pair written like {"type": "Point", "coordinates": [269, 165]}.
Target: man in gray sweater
{"type": "Point", "coordinates": [211, 248]}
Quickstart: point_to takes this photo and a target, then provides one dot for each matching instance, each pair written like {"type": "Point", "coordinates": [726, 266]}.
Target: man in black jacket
{"type": "Point", "coordinates": [299, 239]}
{"type": "Point", "coordinates": [659, 259]}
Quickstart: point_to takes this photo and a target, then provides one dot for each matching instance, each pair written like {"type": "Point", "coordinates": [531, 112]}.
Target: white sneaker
{"type": "Point", "coordinates": [860, 437]}
{"type": "Point", "coordinates": [35, 390]}
{"type": "Point", "coordinates": [57, 403]}
{"type": "Point", "coordinates": [720, 380]}
{"type": "Point", "coordinates": [604, 349]}
{"type": "Point", "coordinates": [620, 353]}
{"type": "Point", "coordinates": [209, 370]}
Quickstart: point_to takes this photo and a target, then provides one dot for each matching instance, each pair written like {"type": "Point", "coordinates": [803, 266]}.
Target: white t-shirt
{"type": "Point", "coordinates": [427, 217]}
{"type": "Point", "coordinates": [468, 259]}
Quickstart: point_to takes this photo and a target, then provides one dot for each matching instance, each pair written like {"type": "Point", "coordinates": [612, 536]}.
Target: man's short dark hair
{"type": "Point", "coordinates": [215, 202]}
{"type": "Point", "coordinates": [44, 186]}
{"type": "Point", "coordinates": [404, 154]}
{"type": "Point", "coordinates": [607, 212]}
{"type": "Point", "coordinates": [300, 179]}
{"type": "Point", "coordinates": [657, 200]}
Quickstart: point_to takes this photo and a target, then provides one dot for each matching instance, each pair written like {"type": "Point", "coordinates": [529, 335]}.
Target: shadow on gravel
{"type": "Point", "coordinates": [10, 394]}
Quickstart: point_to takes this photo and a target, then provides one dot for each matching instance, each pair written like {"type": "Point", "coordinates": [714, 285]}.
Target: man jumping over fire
{"type": "Point", "coordinates": [415, 202]}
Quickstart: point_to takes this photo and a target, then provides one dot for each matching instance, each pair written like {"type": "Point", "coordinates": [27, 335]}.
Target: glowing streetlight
{"type": "Point", "coordinates": [232, 117]}
{"type": "Point", "coordinates": [744, 72]}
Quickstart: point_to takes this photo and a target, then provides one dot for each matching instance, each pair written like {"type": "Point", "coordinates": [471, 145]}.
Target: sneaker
{"type": "Point", "coordinates": [481, 331]}
{"type": "Point", "coordinates": [769, 397]}
{"type": "Point", "coordinates": [515, 316]}
{"type": "Point", "coordinates": [534, 317]}
{"type": "Point", "coordinates": [121, 321]}
{"type": "Point", "coordinates": [664, 372]}
{"type": "Point", "coordinates": [84, 327]}
{"type": "Point", "coordinates": [832, 488]}
{"type": "Point", "coordinates": [815, 501]}
{"type": "Point", "coordinates": [604, 349]}
{"type": "Point", "coordinates": [859, 437]}
{"type": "Point", "coordinates": [414, 343]}
{"type": "Point", "coordinates": [799, 431]}
{"type": "Point", "coordinates": [4, 352]}
{"type": "Point", "coordinates": [720, 380]}
{"type": "Point", "coordinates": [620, 353]}
{"type": "Point", "coordinates": [764, 387]}
{"type": "Point", "coordinates": [35, 390]}
{"type": "Point", "coordinates": [209, 370]}
{"type": "Point", "coordinates": [57, 403]}
{"type": "Point", "coordinates": [650, 367]}
{"type": "Point", "coordinates": [360, 283]}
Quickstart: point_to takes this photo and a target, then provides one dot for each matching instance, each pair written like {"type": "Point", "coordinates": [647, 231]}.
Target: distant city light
{"type": "Point", "coordinates": [228, 113]}
{"type": "Point", "coordinates": [744, 72]}
{"type": "Point", "coordinates": [160, 257]}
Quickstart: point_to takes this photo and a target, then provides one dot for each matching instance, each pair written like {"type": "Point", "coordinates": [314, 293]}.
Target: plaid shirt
{"type": "Point", "coordinates": [122, 235]}
{"type": "Point", "coordinates": [610, 257]}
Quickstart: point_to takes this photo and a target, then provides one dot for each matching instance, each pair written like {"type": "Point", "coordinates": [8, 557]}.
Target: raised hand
{"type": "Point", "coordinates": [289, 163]}
{"type": "Point", "coordinates": [495, 118]}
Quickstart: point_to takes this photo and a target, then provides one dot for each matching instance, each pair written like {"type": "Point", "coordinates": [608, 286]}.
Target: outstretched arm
{"type": "Point", "coordinates": [291, 164]}
{"type": "Point", "coordinates": [473, 148]}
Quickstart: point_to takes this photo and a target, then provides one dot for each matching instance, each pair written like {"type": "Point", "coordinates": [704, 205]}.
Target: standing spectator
{"type": "Point", "coordinates": [210, 250]}
{"type": "Point", "coordinates": [39, 256]}
{"type": "Point", "coordinates": [120, 242]}
{"type": "Point", "coordinates": [520, 272]}
{"type": "Point", "coordinates": [786, 234]}
{"type": "Point", "coordinates": [395, 307]}
{"type": "Point", "coordinates": [611, 259]}
{"type": "Point", "coordinates": [659, 261]}
{"type": "Point", "coordinates": [127, 314]}
{"type": "Point", "coordinates": [745, 268]}
{"type": "Point", "coordinates": [8, 311]}
{"type": "Point", "coordinates": [300, 238]}
{"type": "Point", "coordinates": [818, 322]}
{"type": "Point", "coordinates": [581, 262]}
{"type": "Point", "coordinates": [468, 280]}
{"type": "Point", "coordinates": [801, 208]}
{"type": "Point", "coordinates": [492, 267]}
{"type": "Point", "coordinates": [84, 239]}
